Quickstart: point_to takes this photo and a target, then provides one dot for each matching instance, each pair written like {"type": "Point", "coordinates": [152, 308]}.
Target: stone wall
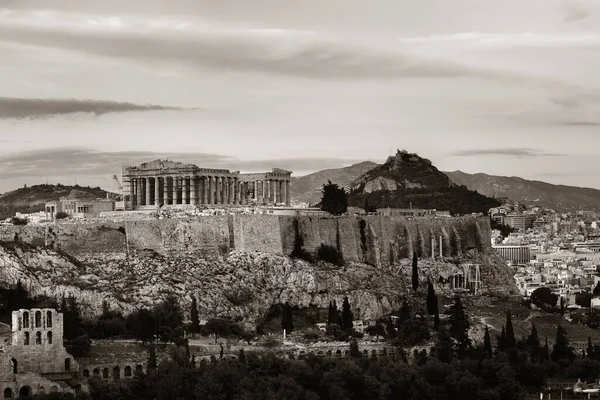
{"type": "Point", "coordinates": [377, 240]}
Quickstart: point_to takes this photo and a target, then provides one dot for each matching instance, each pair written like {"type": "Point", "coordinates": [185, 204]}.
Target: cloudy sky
{"type": "Point", "coordinates": [503, 87]}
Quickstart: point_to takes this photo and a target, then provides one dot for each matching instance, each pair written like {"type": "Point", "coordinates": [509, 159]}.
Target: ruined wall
{"type": "Point", "coordinates": [377, 240]}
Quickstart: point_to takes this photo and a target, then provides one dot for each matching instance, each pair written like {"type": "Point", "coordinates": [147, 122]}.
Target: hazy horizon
{"type": "Point", "coordinates": [506, 89]}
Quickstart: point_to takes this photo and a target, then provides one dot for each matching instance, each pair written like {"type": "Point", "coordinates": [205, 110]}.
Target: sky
{"type": "Point", "coordinates": [506, 88]}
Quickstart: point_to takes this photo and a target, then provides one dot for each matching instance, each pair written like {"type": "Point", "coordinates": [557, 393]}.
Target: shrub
{"type": "Point", "coordinates": [19, 221]}
{"type": "Point", "coordinates": [312, 334]}
{"type": "Point", "coordinates": [61, 215]}
{"type": "Point", "coordinates": [330, 254]}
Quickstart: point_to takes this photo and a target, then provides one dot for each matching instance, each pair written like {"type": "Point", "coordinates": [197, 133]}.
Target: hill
{"type": "Point", "coordinates": [407, 180]}
{"type": "Point", "coordinates": [559, 197]}
{"type": "Point", "coordinates": [307, 189]}
{"type": "Point", "coordinates": [32, 198]}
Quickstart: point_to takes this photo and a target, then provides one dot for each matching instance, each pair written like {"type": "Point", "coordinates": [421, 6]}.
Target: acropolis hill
{"type": "Point", "coordinates": [221, 258]}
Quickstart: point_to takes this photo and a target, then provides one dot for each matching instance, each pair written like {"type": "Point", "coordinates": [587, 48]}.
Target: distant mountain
{"type": "Point", "coordinates": [407, 179]}
{"type": "Point", "coordinates": [32, 198]}
{"type": "Point", "coordinates": [560, 197]}
{"type": "Point", "coordinates": [308, 188]}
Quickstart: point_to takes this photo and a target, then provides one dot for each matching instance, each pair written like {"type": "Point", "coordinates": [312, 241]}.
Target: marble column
{"type": "Point", "coordinates": [283, 192]}
{"type": "Point", "coordinates": [165, 190]}
{"type": "Point", "coordinates": [193, 197]}
{"type": "Point", "coordinates": [264, 191]}
{"type": "Point", "coordinates": [211, 189]}
{"type": "Point", "coordinates": [174, 190]}
{"type": "Point", "coordinates": [148, 192]}
{"type": "Point", "coordinates": [131, 192]}
{"type": "Point", "coordinates": [217, 190]}
{"type": "Point", "coordinates": [288, 194]}
{"type": "Point", "coordinates": [271, 191]}
{"type": "Point", "coordinates": [185, 186]}
{"type": "Point", "coordinates": [206, 183]}
{"type": "Point", "coordinates": [156, 191]}
{"type": "Point", "coordinates": [255, 192]}
{"type": "Point", "coordinates": [138, 186]}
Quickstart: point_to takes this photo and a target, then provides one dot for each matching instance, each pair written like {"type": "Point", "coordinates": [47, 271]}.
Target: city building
{"type": "Point", "coordinates": [82, 208]}
{"type": "Point", "coordinates": [515, 254]}
{"type": "Point", "coordinates": [168, 183]}
{"type": "Point", "coordinates": [520, 221]}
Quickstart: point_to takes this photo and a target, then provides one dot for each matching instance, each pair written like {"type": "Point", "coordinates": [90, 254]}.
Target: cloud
{"type": "Point", "coordinates": [526, 39]}
{"type": "Point", "coordinates": [32, 108]}
{"type": "Point", "coordinates": [200, 44]}
{"type": "Point", "coordinates": [509, 152]}
{"type": "Point", "coordinates": [81, 162]}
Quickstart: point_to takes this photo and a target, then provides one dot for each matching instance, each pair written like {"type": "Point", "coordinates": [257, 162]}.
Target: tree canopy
{"type": "Point", "coordinates": [334, 199]}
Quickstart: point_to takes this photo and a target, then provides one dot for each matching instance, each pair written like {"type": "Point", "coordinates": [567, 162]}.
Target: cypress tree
{"type": "Point", "coordinates": [502, 340]}
{"type": "Point", "coordinates": [332, 317]}
{"type": "Point", "coordinates": [347, 316]}
{"type": "Point", "coordinates": [510, 334]}
{"type": "Point", "coordinates": [487, 343]}
{"type": "Point", "coordinates": [415, 273]}
{"type": "Point", "coordinates": [152, 363]}
{"type": "Point", "coordinates": [405, 313]}
{"type": "Point", "coordinates": [562, 306]}
{"type": "Point", "coordinates": [390, 330]}
{"type": "Point", "coordinates": [562, 350]}
{"type": "Point", "coordinates": [590, 349]}
{"type": "Point", "coordinates": [443, 348]}
{"type": "Point", "coordinates": [534, 345]}
{"type": "Point", "coordinates": [431, 299]}
{"type": "Point", "coordinates": [459, 327]}
{"type": "Point", "coordinates": [545, 353]}
{"type": "Point", "coordinates": [354, 350]}
{"type": "Point", "coordinates": [195, 327]}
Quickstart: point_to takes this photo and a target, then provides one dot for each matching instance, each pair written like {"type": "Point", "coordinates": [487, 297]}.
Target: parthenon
{"type": "Point", "coordinates": [168, 183]}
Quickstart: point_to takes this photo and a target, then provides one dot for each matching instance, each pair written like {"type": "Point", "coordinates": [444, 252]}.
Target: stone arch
{"type": "Point", "coordinates": [329, 353]}
{"type": "Point", "coordinates": [366, 353]}
{"type": "Point", "coordinates": [346, 353]}
{"type": "Point", "coordinates": [49, 319]}
{"type": "Point", "coordinates": [86, 373]}
{"type": "Point", "coordinates": [320, 353]}
{"type": "Point", "coordinates": [49, 337]}
{"type": "Point", "coordinates": [26, 319]}
{"type": "Point", "coordinates": [14, 365]}
{"type": "Point", "coordinates": [67, 364]}
{"type": "Point", "coordinates": [338, 353]}
{"type": "Point", "coordinates": [38, 319]}
{"type": "Point", "coordinates": [139, 369]}
{"type": "Point", "coordinates": [127, 371]}
{"type": "Point", "coordinates": [116, 372]}
{"type": "Point", "coordinates": [8, 394]}
{"type": "Point", "coordinates": [38, 337]}
{"type": "Point", "coordinates": [105, 373]}
{"type": "Point", "coordinates": [41, 390]}
{"type": "Point", "coordinates": [25, 391]}
{"type": "Point", "coordinates": [54, 389]}
{"type": "Point", "coordinates": [373, 352]}
{"type": "Point", "coordinates": [96, 372]}
{"type": "Point", "coordinates": [26, 339]}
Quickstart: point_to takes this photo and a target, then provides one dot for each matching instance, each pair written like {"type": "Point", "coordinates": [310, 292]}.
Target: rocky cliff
{"type": "Point", "coordinates": [242, 284]}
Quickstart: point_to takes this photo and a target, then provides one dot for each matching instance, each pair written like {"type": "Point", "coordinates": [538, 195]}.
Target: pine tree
{"type": "Point", "coordinates": [487, 343]}
{"type": "Point", "coordinates": [459, 327]}
{"type": "Point", "coordinates": [561, 349]}
{"type": "Point", "coordinates": [415, 273]}
{"type": "Point", "coordinates": [534, 345]}
{"type": "Point", "coordinates": [347, 316]}
{"type": "Point", "coordinates": [195, 327]}
{"type": "Point", "coordinates": [334, 199]}
{"type": "Point", "coordinates": [510, 334]}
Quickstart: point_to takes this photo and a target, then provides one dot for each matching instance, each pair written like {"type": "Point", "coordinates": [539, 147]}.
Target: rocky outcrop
{"type": "Point", "coordinates": [243, 284]}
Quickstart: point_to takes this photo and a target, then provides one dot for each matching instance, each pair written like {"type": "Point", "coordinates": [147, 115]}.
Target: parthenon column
{"type": "Point", "coordinates": [288, 194]}
{"type": "Point", "coordinates": [193, 190]}
{"type": "Point", "coordinates": [283, 191]}
{"type": "Point", "coordinates": [156, 191]}
{"type": "Point", "coordinates": [184, 189]}
{"type": "Point", "coordinates": [131, 192]}
{"type": "Point", "coordinates": [255, 194]}
{"type": "Point", "coordinates": [138, 185]}
{"type": "Point", "coordinates": [217, 190]}
{"type": "Point", "coordinates": [211, 189]}
{"type": "Point", "coordinates": [165, 190]}
{"type": "Point", "coordinates": [206, 199]}
{"type": "Point", "coordinates": [174, 190]}
{"type": "Point", "coordinates": [236, 191]}
{"type": "Point", "coordinates": [148, 193]}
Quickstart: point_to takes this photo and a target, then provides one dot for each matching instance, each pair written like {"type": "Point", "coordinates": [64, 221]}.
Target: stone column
{"type": "Point", "coordinates": [184, 189]}
{"type": "Point", "coordinates": [165, 190]}
{"type": "Point", "coordinates": [156, 191]}
{"type": "Point", "coordinates": [193, 190]}
{"type": "Point", "coordinates": [255, 194]}
{"type": "Point", "coordinates": [131, 192]}
{"type": "Point", "coordinates": [174, 190]}
{"type": "Point", "coordinates": [206, 183]}
{"type": "Point", "coordinates": [217, 190]}
{"type": "Point", "coordinates": [211, 189]}
{"type": "Point", "coordinates": [288, 194]}
{"type": "Point", "coordinates": [271, 191]}
{"type": "Point", "coordinates": [283, 191]}
{"type": "Point", "coordinates": [236, 191]}
{"type": "Point", "coordinates": [138, 186]}
{"type": "Point", "coordinates": [148, 192]}
{"type": "Point", "coordinates": [243, 193]}
{"type": "Point", "coordinates": [264, 191]}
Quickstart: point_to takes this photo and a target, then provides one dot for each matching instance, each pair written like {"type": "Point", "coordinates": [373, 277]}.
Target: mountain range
{"type": "Point", "coordinates": [307, 189]}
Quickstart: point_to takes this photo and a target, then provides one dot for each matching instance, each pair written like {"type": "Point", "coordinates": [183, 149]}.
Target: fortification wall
{"type": "Point", "coordinates": [377, 240]}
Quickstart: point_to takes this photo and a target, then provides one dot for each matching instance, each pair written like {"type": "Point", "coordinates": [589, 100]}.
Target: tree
{"type": "Point", "coordinates": [583, 299]}
{"type": "Point", "coordinates": [405, 313]}
{"type": "Point", "coordinates": [347, 316]}
{"type": "Point", "coordinates": [596, 291]}
{"type": "Point", "coordinates": [415, 273]}
{"type": "Point", "coordinates": [562, 306]}
{"type": "Point", "coordinates": [195, 326]}
{"type": "Point", "coordinates": [334, 199]}
{"type": "Point", "coordinates": [443, 347]}
{"type": "Point", "coordinates": [390, 330]}
{"type": "Point", "coordinates": [242, 356]}
{"type": "Point", "coordinates": [368, 208]}
{"type": "Point", "coordinates": [502, 340]}
{"type": "Point", "coordinates": [287, 318]}
{"type": "Point", "coordinates": [61, 215]}
{"type": "Point", "coordinates": [590, 349]}
{"type": "Point", "coordinates": [141, 324]}
{"type": "Point", "coordinates": [376, 330]}
{"type": "Point", "coordinates": [459, 327]}
{"type": "Point", "coordinates": [487, 343]}
{"type": "Point", "coordinates": [534, 345]}
{"type": "Point", "coordinates": [333, 316]}
{"type": "Point", "coordinates": [545, 353]}
{"type": "Point", "coordinates": [354, 350]}
{"type": "Point", "coordinates": [510, 334]}
{"type": "Point", "coordinates": [152, 362]}
{"type": "Point", "coordinates": [432, 301]}
{"type": "Point", "coordinates": [561, 349]}
{"type": "Point", "coordinates": [544, 298]}
{"type": "Point", "coordinates": [80, 346]}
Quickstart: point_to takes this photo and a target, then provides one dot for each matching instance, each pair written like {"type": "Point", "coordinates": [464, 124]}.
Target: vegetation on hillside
{"type": "Point", "coordinates": [29, 199]}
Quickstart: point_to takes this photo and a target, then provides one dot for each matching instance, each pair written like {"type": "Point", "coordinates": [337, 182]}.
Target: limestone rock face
{"type": "Point", "coordinates": [243, 284]}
